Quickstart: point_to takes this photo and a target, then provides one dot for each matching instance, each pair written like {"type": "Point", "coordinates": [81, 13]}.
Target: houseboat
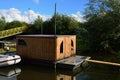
{"type": "Point", "coordinates": [48, 49]}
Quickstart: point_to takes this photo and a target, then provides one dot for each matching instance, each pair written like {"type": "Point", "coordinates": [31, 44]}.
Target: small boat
{"type": "Point", "coordinates": [6, 60]}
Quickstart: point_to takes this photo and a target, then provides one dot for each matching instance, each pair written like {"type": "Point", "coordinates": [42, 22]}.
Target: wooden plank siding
{"type": "Point", "coordinates": [46, 48]}
{"type": "Point", "coordinates": [66, 47]}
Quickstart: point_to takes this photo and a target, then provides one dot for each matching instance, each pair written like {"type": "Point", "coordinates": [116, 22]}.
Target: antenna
{"type": "Point", "coordinates": [55, 18]}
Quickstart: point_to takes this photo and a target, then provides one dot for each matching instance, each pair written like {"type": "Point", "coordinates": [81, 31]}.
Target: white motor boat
{"type": "Point", "coordinates": [6, 60]}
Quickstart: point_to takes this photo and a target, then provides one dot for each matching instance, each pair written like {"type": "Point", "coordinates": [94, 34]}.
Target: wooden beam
{"type": "Point", "coordinates": [102, 62]}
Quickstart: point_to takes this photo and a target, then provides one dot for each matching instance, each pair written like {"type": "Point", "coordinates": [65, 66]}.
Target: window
{"type": "Point", "coordinates": [21, 42]}
{"type": "Point", "coordinates": [1, 45]}
{"type": "Point", "coordinates": [61, 47]}
{"type": "Point", "coordinates": [72, 45]}
{"type": "Point", "coordinates": [61, 78]}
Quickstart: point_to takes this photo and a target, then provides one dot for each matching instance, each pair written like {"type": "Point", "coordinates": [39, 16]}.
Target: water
{"type": "Point", "coordinates": [32, 72]}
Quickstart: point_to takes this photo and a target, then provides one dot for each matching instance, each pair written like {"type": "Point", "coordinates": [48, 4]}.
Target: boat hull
{"type": "Point", "coordinates": [6, 60]}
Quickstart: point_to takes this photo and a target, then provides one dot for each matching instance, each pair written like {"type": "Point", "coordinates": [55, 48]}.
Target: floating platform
{"type": "Point", "coordinates": [72, 62]}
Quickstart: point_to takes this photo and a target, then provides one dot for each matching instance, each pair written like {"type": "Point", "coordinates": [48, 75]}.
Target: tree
{"type": "Point", "coordinates": [2, 23]}
{"type": "Point", "coordinates": [35, 27]}
{"type": "Point", "coordinates": [102, 28]}
{"type": "Point", "coordinates": [64, 25]}
{"type": "Point", "coordinates": [38, 24]}
{"type": "Point", "coordinates": [13, 24]}
{"type": "Point", "coordinates": [48, 27]}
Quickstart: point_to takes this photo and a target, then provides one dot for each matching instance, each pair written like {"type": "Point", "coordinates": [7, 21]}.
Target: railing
{"type": "Point", "coordinates": [11, 32]}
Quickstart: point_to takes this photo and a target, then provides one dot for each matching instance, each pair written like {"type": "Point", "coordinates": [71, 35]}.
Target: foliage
{"type": "Point", "coordinates": [38, 24]}
{"type": "Point", "coordinates": [13, 24]}
{"type": "Point", "coordinates": [35, 28]}
{"type": "Point", "coordinates": [64, 25]}
{"type": "Point", "coordinates": [2, 23]}
{"type": "Point", "coordinates": [48, 27]}
{"type": "Point", "coordinates": [102, 29]}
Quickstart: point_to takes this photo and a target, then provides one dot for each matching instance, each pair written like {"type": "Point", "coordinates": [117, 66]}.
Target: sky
{"type": "Point", "coordinates": [28, 10]}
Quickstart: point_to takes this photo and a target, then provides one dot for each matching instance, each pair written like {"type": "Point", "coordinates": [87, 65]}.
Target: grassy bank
{"type": "Point", "coordinates": [2, 51]}
{"type": "Point", "coordinates": [103, 56]}
{"type": "Point", "coordinates": [82, 50]}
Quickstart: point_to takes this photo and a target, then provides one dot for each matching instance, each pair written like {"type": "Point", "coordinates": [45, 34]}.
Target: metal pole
{"type": "Point", "coordinates": [55, 18]}
{"type": "Point", "coordinates": [41, 28]}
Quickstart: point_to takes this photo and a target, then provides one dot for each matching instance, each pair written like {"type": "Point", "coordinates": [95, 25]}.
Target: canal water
{"type": "Point", "coordinates": [33, 72]}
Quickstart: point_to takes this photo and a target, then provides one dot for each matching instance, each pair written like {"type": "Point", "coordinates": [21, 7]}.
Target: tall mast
{"type": "Point", "coordinates": [55, 18]}
{"type": "Point", "coordinates": [41, 28]}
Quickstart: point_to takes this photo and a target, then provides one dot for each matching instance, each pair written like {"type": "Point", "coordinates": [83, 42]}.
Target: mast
{"type": "Point", "coordinates": [55, 18]}
{"type": "Point", "coordinates": [55, 33]}
{"type": "Point", "coordinates": [41, 28]}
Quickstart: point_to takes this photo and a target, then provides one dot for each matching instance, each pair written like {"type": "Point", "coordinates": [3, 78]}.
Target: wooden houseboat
{"type": "Point", "coordinates": [48, 49]}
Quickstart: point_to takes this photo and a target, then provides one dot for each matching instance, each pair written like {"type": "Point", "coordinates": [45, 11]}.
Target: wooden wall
{"type": "Point", "coordinates": [38, 48]}
{"type": "Point", "coordinates": [66, 47]}
{"type": "Point", "coordinates": [46, 48]}
{"type": "Point", "coordinates": [65, 77]}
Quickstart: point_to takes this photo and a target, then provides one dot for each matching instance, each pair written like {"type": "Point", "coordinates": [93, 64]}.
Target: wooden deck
{"type": "Point", "coordinates": [72, 62]}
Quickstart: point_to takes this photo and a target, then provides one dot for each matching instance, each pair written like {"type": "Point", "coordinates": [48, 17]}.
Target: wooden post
{"type": "Point", "coordinates": [103, 62]}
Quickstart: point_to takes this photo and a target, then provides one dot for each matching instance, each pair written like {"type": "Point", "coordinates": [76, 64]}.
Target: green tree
{"type": "Point", "coordinates": [13, 24]}
{"type": "Point", "coordinates": [2, 23]}
{"type": "Point", "coordinates": [102, 29]}
{"type": "Point", "coordinates": [48, 27]}
{"type": "Point", "coordinates": [35, 27]}
{"type": "Point", "coordinates": [64, 25]}
{"type": "Point", "coordinates": [38, 24]}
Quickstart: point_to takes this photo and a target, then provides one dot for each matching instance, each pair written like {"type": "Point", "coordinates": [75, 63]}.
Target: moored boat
{"type": "Point", "coordinates": [6, 60]}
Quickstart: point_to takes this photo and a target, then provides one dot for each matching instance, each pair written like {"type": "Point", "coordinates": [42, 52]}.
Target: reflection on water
{"type": "Point", "coordinates": [30, 72]}
{"type": "Point", "coordinates": [9, 73]}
